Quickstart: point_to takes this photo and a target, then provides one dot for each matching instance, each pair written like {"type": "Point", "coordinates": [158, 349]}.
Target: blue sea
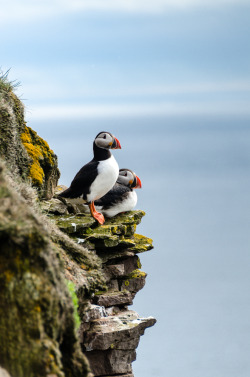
{"type": "Point", "coordinates": [195, 174]}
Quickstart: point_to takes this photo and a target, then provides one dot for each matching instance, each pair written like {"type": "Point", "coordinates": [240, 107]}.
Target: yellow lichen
{"type": "Point", "coordinates": [126, 282]}
{"type": "Point", "coordinates": [142, 243]}
{"type": "Point", "coordinates": [36, 173]}
{"type": "Point", "coordinates": [138, 263]}
{"type": "Point", "coordinates": [137, 274]}
{"type": "Point", "coordinates": [33, 151]}
{"type": "Point", "coordinates": [25, 137]}
{"type": "Point", "coordinates": [38, 149]}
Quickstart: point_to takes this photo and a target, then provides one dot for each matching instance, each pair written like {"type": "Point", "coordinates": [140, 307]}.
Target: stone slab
{"type": "Point", "coordinates": [113, 298]}
{"type": "Point", "coordinates": [116, 332]}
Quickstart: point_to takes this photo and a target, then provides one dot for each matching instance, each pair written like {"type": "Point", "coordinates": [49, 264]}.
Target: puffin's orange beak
{"type": "Point", "coordinates": [116, 144]}
{"type": "Point", "coordinates": [138, 182]}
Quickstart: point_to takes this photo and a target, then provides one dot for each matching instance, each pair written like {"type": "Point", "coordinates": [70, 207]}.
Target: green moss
{"type": "Point", "coordinates": [71, 288]}
{"type": "Point", "coordinates": [75, 225]}
{"type": "Point", "coordinates": [99, 293]}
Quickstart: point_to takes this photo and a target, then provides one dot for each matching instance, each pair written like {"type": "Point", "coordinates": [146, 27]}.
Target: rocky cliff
{"type": "Point", "coordinates": [66, 283]}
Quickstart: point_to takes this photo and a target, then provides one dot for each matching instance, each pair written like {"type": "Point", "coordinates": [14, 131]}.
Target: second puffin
{"type": "Point", "coordinates": [97, 177]}
{"type": "Point", "coordinates": [122, 197]}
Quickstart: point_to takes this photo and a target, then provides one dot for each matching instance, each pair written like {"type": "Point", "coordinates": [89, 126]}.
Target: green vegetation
{"type": "Point", "coordinates": [71, 288]}
{"type": "Point", "coordinates": [5, 84]}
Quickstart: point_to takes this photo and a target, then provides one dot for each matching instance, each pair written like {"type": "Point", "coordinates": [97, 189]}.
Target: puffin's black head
{"type": "Point", "coordinates": [128, 178]}
{"type": "Point", "coordinates": [106, 140]}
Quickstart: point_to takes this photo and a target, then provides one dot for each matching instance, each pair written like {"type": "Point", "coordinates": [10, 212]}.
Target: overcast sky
{"type": "Point", "coordinates": [128, 57]}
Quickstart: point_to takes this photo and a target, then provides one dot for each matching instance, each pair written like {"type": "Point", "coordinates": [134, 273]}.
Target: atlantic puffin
{"type": "Point", "coordinates": [122, 197]}
{"type": "Point", "coordinates": [97, 177]}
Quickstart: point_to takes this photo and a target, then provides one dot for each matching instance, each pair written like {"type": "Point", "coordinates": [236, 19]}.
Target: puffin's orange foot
{"type": "Point", "coordinates": [99, 217]}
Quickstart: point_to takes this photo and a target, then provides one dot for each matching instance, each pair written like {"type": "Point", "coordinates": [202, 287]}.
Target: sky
{"type": "Point", "coordinates": [98, 58]}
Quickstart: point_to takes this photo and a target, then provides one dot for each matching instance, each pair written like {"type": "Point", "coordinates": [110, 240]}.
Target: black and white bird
{"type": "Point", "coordinates": [97, 177]}
{"type": "Point", "coordinates": [122, 197]}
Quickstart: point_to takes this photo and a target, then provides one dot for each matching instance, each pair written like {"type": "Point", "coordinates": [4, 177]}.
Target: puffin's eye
{"type": "Point", "coordinates": [104, 137]}
{"type": "Point", "coordinates": [125, 174]}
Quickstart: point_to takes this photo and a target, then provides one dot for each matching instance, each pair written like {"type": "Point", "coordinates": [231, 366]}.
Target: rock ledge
{"type": "Point", "coordinates": [109, 332]}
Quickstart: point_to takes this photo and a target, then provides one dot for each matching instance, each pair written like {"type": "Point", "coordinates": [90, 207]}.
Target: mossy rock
{"type": "Point", "coordinates": [114, 254]}
{"type": "Point", "coordinates": [127, 218]}
{"type": "Point", "coordinates": [37, 328]}
{"type": "Point", "coordinates": [86, 225]}
{"type": "Point", "coordinates": [136, 274]}
{"type": "Point", "coordinates": [133, 282]}
{"type": "Point", "coordinates": [116, 235]}
{"type": "Point", "coordinates": [142, 244]}
{"type": "Point", "coordinates": [101, 241]}
{"type": "Point", "coordinates": [11, 126]}
{"type": "Point", "coordinates": [26, 154]}
{"type": "Point", "coordinates": [43, 171]}
{"type": "Point", "coordinates": [73, 224]}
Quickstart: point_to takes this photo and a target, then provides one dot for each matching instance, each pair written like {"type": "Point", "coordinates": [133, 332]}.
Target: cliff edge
{"type": "Point", "coordinates": [66, 283]}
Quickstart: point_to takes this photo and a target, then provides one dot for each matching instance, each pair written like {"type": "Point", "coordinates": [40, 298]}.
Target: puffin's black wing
{"type": "Point", "coordinates": [80, 186]}
{"type": "Point", "coordinates": [115, 195]}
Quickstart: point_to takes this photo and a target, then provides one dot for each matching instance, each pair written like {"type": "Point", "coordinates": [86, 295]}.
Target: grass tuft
{"type": "Point", "coordinates": [5, 84]}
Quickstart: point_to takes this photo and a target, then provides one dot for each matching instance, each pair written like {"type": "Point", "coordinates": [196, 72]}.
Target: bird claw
{"type": "Point", "coordinates": [99, 217]}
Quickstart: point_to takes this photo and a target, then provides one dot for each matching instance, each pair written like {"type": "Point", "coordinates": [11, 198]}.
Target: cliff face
{"type": "Point", "coordinates": [37, 330]}
{"type": "Point", "coordinates": [109, 332]}
{"type": "Point", "coordinates": [47, 247]}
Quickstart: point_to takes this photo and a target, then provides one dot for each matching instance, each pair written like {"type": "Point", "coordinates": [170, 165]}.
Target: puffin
{"type": "Point", "coordinates": [122, 197]}
{"type": "Point", "coordinates": [97, 177]}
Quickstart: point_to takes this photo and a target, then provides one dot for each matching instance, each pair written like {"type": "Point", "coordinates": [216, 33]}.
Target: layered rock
{"type": "Point", "coordinates": [109, 331]}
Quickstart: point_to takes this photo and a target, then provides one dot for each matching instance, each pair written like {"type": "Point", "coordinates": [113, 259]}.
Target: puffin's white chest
{"type": "Point", "coordinates": [107, 174]}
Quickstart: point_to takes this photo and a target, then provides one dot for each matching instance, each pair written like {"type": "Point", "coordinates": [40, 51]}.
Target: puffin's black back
{"type": "Point", "coordinates": [82, 181]}
{"type": "Point", "coordinates": [115, 195]}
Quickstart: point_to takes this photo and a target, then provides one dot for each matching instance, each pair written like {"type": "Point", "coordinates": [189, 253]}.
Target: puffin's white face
{"type": "Point", "coordinates": [128, 178]}
{"type": "Point", "coordinates": [104, 140]}
{"type": "Point", "coordinates": [107, 141]}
